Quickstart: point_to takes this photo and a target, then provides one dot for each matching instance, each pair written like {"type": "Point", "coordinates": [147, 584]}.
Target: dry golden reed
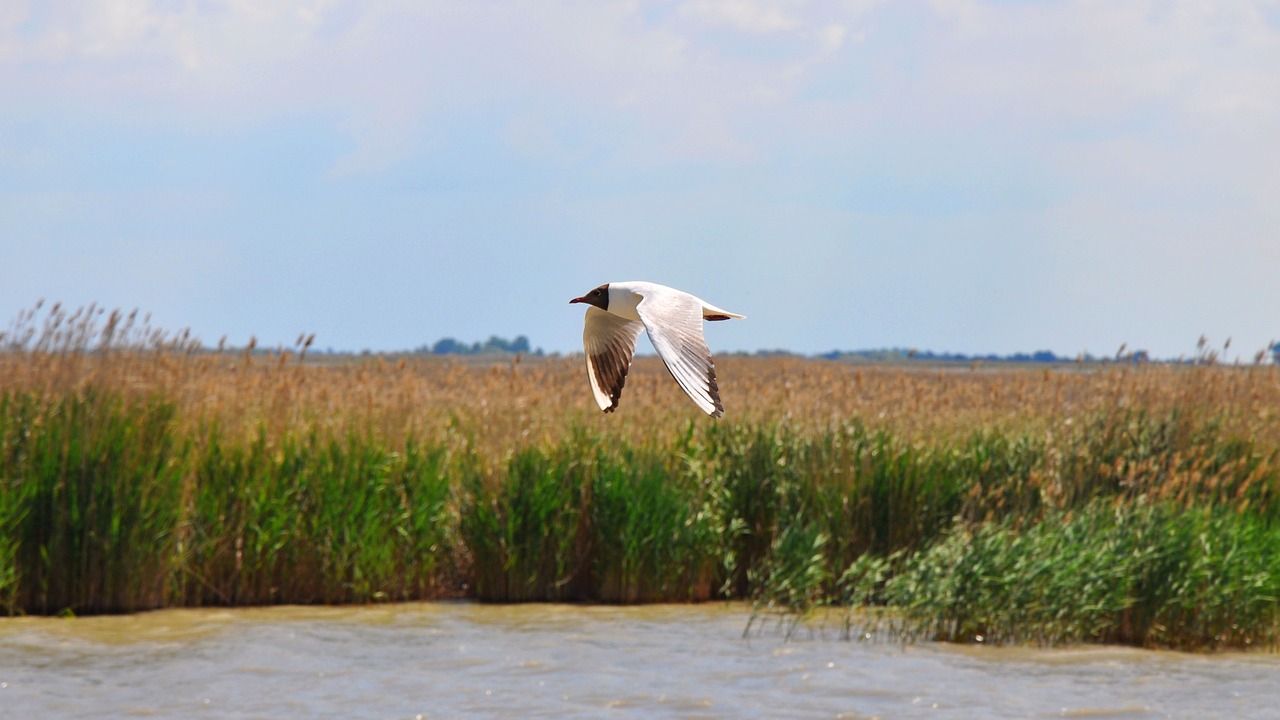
{"type": "Point", "coordinates": [499, 404]}
{"type": "Point", "coordinates": [504, 403]}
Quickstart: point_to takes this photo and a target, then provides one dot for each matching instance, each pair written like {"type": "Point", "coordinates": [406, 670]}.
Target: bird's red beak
{"type": "Point", "coordinates": [577, 299]}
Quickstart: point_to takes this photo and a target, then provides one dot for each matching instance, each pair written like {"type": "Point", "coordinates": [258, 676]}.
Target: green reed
{"type": "Point", "coordinates": [104, 508]}
{"type": "Point", "coordinates": [1142, 574]}
{"type": "Point", "coordinates": [92, 497]}
{"type": "Point", "coordinates": [1154, 531]}
{"type": "Point", "coordinates": [523, 528]}
{"type": "Point", "coordinates": [1149, 528]}
{"type": "Point", "coordinates": [586, 521]}
{"type": "Point", "coordinates": [653, 532]}
{"type": "Point", "coordinates": [309, 519]}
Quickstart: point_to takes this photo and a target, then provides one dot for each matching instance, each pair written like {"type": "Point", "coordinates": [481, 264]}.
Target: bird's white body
{"type": "Point", "coordinates": [625, 297]}
{"type": "Point", "coordinates": [673, 319]}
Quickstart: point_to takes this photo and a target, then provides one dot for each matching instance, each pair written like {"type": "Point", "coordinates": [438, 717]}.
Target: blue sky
{"type": "Point", "coordinates": [953, 175]}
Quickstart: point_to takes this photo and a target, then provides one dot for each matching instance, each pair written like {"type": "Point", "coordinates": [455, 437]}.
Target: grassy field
{"type": "Point", "coordinates": [1111, 503]}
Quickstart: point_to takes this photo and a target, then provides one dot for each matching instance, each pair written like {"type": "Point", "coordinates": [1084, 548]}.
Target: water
{"type": "Point", "coordinates": [464, 660]}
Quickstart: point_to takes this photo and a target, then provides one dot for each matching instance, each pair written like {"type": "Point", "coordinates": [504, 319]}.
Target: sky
{"type": "Point", "coordinates": [955, 175]}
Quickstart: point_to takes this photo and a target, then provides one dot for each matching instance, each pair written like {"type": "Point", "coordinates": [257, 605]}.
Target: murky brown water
{"type": "Point", "coordinates": [466, 660]}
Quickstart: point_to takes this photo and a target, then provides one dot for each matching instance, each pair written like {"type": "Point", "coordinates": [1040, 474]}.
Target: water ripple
{"type": "Point", "coordinates": [466, 660]}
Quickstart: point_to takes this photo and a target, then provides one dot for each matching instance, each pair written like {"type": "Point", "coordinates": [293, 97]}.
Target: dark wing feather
{"type": "Point", "coordinates": [610, 343]}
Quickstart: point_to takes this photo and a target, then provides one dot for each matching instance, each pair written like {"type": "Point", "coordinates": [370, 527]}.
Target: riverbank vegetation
{"type": "Point", "coordinates": [1128, 504]}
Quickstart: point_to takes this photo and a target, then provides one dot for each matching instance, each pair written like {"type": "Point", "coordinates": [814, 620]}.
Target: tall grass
{"type": "Point", "coordinates": [1115, 504]}
{"type": "Point", "coordinates": [587, 522]}
{"type": "Point", "coordinates": [315, 520]}
{"type": "Point", "coordinates": [92, 492]}
{"type": "Point", "coordinates": [524, 528]}
{"type": "Point", "coordinates": [1143, 574]}
{"type": "Point", "coordinates": [654, 532]}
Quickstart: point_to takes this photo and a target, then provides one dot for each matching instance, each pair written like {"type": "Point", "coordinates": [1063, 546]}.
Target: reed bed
{"type": "Point", "coordinates": [1111, 503]}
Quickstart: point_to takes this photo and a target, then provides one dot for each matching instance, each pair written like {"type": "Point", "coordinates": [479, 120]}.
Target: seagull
{"type": "Point", "coordinates": [672, 318]}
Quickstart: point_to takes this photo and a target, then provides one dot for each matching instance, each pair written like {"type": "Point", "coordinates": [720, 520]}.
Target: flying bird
{"type": "Point", "coordinates": [672, 318]}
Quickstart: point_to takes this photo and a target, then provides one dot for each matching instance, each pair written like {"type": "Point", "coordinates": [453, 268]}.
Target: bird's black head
{"type": "Point", "coordinates": [598, 297]}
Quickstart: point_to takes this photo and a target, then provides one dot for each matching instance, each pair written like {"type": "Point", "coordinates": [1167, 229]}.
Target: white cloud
{"type": "Point", "coordinates": [833, 37]}
{"type": "Point", "coordinates": [389, 70]}
{"type": "Point", "coordinates": [745, 15]}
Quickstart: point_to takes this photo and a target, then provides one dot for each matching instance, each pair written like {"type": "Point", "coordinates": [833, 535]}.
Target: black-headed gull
{"type": "Point", "coordinates": [673, 319]}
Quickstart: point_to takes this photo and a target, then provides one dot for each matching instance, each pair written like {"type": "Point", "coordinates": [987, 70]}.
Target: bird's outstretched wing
{"type": "Point", "coordinates": [674, 322]}
{"type": "Point", "coordinates": [610, 342]}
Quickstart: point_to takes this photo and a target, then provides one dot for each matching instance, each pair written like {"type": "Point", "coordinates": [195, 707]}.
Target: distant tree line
{"type": "Point", "coordinates": [901, 355]}
{"type": "Point", "coordinates": [494, 345]}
